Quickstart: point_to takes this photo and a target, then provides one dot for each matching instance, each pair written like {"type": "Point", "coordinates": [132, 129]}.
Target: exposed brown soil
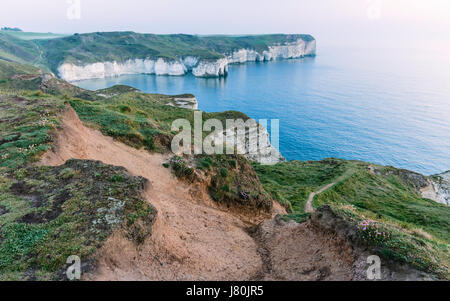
{"type": "Point", "coordinates": [193, 238]}
{"type": "Point", "coordinates": [293, 251]}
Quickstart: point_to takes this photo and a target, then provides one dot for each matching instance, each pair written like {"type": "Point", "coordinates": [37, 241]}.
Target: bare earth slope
{"type": "Point", "coordinates": [192, 238]}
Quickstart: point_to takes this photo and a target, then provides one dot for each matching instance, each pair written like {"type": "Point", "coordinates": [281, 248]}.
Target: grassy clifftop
{"type": "Point", "coordinates": [417, 229]}
{"type": "Point", "coordinates": [120, 46]}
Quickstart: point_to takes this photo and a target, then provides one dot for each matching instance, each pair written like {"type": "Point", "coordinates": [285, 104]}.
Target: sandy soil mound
{"type": "Point", "coordinates": [192, 238]}
{"type": "Point", "coordinates": [296, 252]}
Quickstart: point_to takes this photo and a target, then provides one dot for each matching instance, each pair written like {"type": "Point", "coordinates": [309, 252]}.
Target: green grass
{"type": "Point", "coordinates": [20, 51]}
{"type": "Point", "coordinates": [419, 229]}
{"type": "Point", "coordinates": [31, 237]}
{"type": "Point", "coordinates": [50, 213]}
{"type": "Point", "coordinates": [55, 212]}
{"type": "Point", "coordinates": [388, 198]}
{"type": "Point", "coordinates": [139, 119]}
{"type": "Point", "coordinates": [26, 121]}
{"type": "Point", "coordinates": [34, 35]}
{"type": "Point", "coordinates": [233, 181]}
{"type": "Point", "coordinates": [291, 183]}
{"type": "Point", "coordinates": [15, 78]}
{"type": "Point", "coordinates": [49, 51]}
{"type": "Point", "coordinates": [230, 179]}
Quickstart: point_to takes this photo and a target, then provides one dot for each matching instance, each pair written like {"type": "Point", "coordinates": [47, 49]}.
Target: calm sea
{"type": "Point", "coordinates": [386, 106]}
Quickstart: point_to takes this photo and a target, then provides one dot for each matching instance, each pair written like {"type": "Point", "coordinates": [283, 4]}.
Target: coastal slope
{"type": "Point", "coordinates": [144, 213]}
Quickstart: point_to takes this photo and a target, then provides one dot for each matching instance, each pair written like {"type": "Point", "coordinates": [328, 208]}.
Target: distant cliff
{"type": "Point", "coordinates": [100, 55]}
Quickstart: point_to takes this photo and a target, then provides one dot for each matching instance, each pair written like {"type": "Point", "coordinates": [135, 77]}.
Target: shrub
{"type": "Point", "coordinates": [373, 233]}
{"type": "Point", "coordinates": [232, 163]}
{"type": "Point", "coordinates": [149, 143]}
{"type": "Point", "coordinates": [117, 178]}
{"type": "Point", "coordinates": [206, 163]}
{"type": "Point", "coordinates": [67, 173]}
{"type": "Point", "coordinates": [223, 172]}
{"type": "Point", "coordinates": [180, 167]}
{"type": "Point", "coordinates": [124, 108]}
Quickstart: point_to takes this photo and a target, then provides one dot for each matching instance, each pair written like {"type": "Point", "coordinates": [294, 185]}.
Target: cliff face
{"type": "Point", "coordinates": [198, 66]}
{"type": "Point", "coordinates": [259, 149]}
{"type": "Point", "coordinates": [213, 68]}
{"type": "Point", "coordinates": [438, 189]}
{"type": "Point", "coordinates": [71, 72]}
{"type": "Point", "coordinates": [297, 49]}
{"type": "Point", "coordinates": [186, 102]}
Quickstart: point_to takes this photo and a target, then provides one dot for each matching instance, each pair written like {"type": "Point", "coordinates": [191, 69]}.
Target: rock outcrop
{"type": "Point", "coordinates": [196, 65]}
{"type": "Point", "coordinates": [300, 48]}
{"type": "Point", "coordinates": [435, 188]}
{"type": "Point", "coordinates": [438, 189]}
{"type": "Point", "coordinates": [185, 102]}
{"type": "Point", "coordinates": [254, 143]}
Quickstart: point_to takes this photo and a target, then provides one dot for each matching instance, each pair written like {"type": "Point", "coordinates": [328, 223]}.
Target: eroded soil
{"type": "Point", "coordinates": [193, 238]}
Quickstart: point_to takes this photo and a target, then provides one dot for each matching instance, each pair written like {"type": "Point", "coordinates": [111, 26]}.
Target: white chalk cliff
{"type": "Point", "coordinates": [259, 149]}
{"type": "Point", "coordinates": [186, 102]}
{"type": "Point", "coordinates": [211, 68]}
{"type": "Point", "coordinates": [199, 67]}
{"type": "Point", "coordinates": [438, 189]}
{"type": "Point", "coordinates": [253, 143]}
{"type": "Point", "coordinates": [298, 49]}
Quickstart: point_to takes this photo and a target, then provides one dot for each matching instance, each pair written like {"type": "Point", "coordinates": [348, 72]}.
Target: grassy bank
{"type": "Point", "coordinates": [417, 230]}
{"type": "Point", "coordinates": [50, 213]}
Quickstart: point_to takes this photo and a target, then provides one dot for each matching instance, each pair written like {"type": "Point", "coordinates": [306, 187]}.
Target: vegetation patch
{"type": "Point", "coordinates": [231, 179]}
{"type": "Point", "coordinates": [291, 183]}
{"type": "Point", "coordinates": [376, 199]}
{"type": "Point", "coordinates": [51, 213]}
{"type": "Point", "coordinates": [26, 121]}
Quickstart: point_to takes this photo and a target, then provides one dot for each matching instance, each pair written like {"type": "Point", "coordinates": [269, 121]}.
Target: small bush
{"type": "Point", "coordinates": [117, 178]}
{"type": "Point", "coordinates": [67, 173]}
{"type": "Point", "coordinates": [124, 108]}
{"type": "Point", "coordinates": [206, 163]}
{"type": "Point", "coordinates": [223, 172]}
{"type": "Point", "coordinates": [226, 188]}
{"type": "Point", "coordinates": [149, 143]}
{"type": "Point", "coordinates": [373, 233]}
{"type": "Point", "coordinates": [180, 167]}
{"type": "Point", "coordinates": [232, 163]}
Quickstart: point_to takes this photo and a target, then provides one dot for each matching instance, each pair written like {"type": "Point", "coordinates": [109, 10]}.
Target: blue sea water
{"type": "Point", "coordinates": [386, 106]}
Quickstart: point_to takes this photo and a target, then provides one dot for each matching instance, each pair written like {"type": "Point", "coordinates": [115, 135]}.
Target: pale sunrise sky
{"type": "Point", "coordinates": [327, 20]}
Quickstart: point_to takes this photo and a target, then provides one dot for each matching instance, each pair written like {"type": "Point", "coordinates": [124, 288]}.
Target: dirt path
{"type": "Point", "coordinates": [308, 206]}
{"type": "Point", "coordinates": [192, 239]}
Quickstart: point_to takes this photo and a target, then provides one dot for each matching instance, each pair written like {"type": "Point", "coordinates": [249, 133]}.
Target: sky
{"type": "Point", "coordinates": [337, 21]}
